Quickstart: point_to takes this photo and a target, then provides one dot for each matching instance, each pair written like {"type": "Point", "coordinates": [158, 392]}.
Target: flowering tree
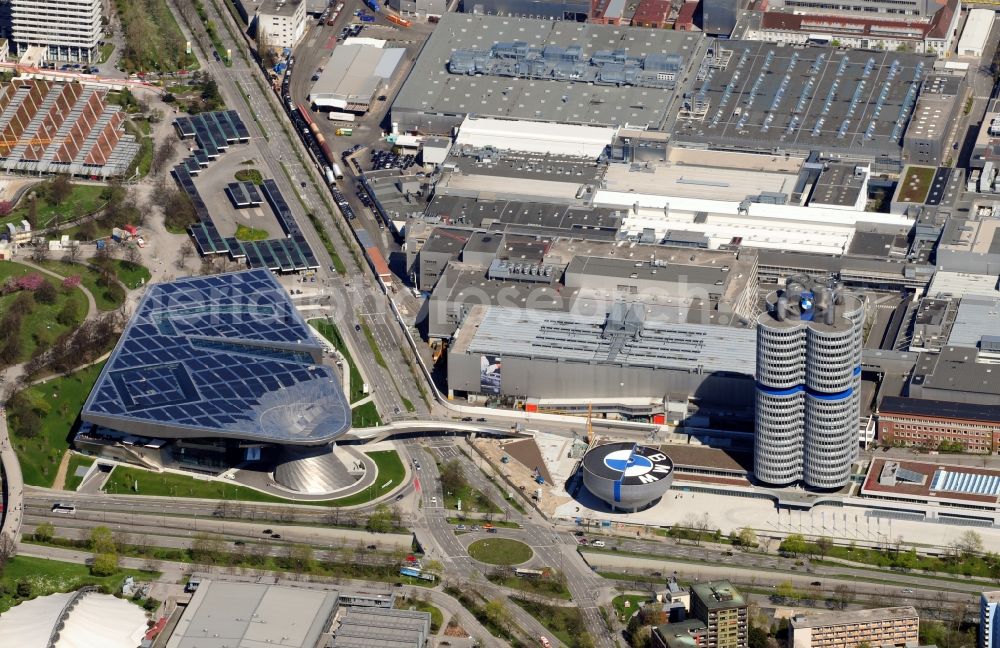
{"type": "Point", "coordinates": [32, 281]}
{"type": "Point", "coordinates": [71, 281]}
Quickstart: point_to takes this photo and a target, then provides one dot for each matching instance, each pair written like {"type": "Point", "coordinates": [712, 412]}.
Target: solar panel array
{"type": "Point", "coordinates": [964, 482]}
{"type": "Point", "coordinates": [215, 132]}
{"type": "Point", "coordinates": [220, 355]}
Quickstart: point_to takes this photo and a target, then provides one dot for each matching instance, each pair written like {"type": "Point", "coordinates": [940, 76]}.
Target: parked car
{"type": "Point", "coordinates": [597, 543]}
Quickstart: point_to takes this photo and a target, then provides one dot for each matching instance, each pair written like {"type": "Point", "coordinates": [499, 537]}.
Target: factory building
{"type": "Point", "coordinates": [719, 17]}
{"type": "Point", "coordinates": [862, 7]}
{"type": "Point", "coordinates": [970, 246]}
{"type": "Point", "coordinates": [941, 97]}
{"type": "Point", "coordinates": [282, 21]}
{"type": "Point", "coordinates": [929, 423]}
{"type": "Point", "coordinates": [778, 99]}
{"type": "Point", "coordinates": [976, 32]}
{"type": "Point", "coordinates": [958, 374]}
{"type": "Point", "coordinates": [571, 10]}
{"type": "Point", "coordinates": [543, 70]}
{"type": "Point", "coordinates": [419, 8]}
{"type": "Point", "coordinates": [67, 31]}
{"type": "Point", "coordinates": [354, 76]}
{"type": "Point", "coordinates": [929, 34]}
{"type": "Point", "coordinates": [808, 373]}
{"type": "Point", "coordinates": [563, 356]}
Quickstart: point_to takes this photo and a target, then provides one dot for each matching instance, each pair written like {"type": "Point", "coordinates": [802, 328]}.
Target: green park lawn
{"type": "Point", "coordinates": [132, 275]}
{"type": "Point", "coordinates": [39, 327]}
{"type": "Point", "coordinates": [107, 298]}
{"type": "Point", "coordinates": [500, 551]}
{"type": "Point", "coordinates": [59, 401]}
{"type": "Point", "coordinates": [84, 199]}
{"type": "Point", "coordinates": [123, 480]}
{"type": "Point", "coordinates": [51, 576]}
{"type": "Point", "coordinates": [635, 602]}
{"type": "Point", "coordinates": [365, 415]}
{"type": "Point", "coordinates": [473, 500]}
{"type": "Point", "coordinates": [76, 461]}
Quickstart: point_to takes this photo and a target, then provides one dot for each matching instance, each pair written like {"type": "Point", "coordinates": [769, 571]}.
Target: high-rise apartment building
{"type": "Point", "coordinates": [882, 627]}
{"type": "Point", "coordinates": [723, 611]}
{"type": "Point", "coordinates": [70, 30]}
{"type": "Point", "coordinates": [808, 373]}
{"type": "Point", "coordinates": [989, 620]}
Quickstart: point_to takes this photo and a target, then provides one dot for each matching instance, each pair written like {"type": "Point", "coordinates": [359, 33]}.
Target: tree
{"type": "Point", "coordinates": [68, 314]}
{"type": "Point", "coordinates": [498, 614]}
{"type": "Point", "coordinates": [824, 545]}
{"type": "Point", "coordinates": [786, 591]}
{"type": "Point", "coordinates": [969, 543]}
{"type": "Point", "coordinates": [452, 476]}
{"type": "Point", "coordinates": [747, 538]}
{"type": "Point", "coordinates": [46, 293]}
{"type": "Point", "coordinates": [60, 189]}
{"type": "Point", "coordinates": [7, 549]}
{"type": "Point", "coordinates": [23, 588]}
{"type": "Point", "coordinates": [794, 545]}
{"type": "Point", "coordinates": [132, 256]}
{"type": "Point", "coordinates": [104, 564]}
{"type": "Point", "coordinates": [162, 156]}
{"type": "Point", "coordinates": [381, 520]}
{"type": "Point", "coordinates": [102, 540]}
{"type": "Point", "coordinates": [842, 596]}
{"type": "Point", "coordinates": [40, 251]}
{"type": "Point", "coordinates": [207, 548]}
{"type": "Point", "coordinates": [640, 637]}
{"type": "Point", "coordinates": [757, 638]}
{"type": "Point", "coordinates": [44, 532]}
{"type": "Point", "coordinates": [72, 254]}
{"type": "Point", "coordinates": [299, 558]}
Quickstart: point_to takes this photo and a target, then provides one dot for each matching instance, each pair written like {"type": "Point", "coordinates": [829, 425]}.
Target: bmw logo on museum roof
{"type": "Point", "coordinates": [626, 475]}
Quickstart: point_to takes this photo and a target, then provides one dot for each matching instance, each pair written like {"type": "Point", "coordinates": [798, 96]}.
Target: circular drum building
{"type": "Point", "coordinates": [627, 476]}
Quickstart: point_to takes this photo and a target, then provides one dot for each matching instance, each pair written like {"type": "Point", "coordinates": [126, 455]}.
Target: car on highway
{"type": "Point", "coordinates": [357, 327]}
{"type": "Point", "coordinates": [582, 541]}
{"type": "Point", "coordinates": [816, 583]}
{"type": "Point", "coordinates": [906, 590]}
{"type": "Point", "coordinates": [239, 543]}
{"type": "Point", "coordinates": [276, 536]}
{"type": "Point", "coordinates": [578, 534]}
{"type": "Point", "coordinates": [597, 543]}
{"type": "Point", "coordinates": [434, 499]}
{"type": "Point", "coordinates": [480, 420]}
{"type": "Point", "coordinates": [372, 547]}
{"type": "Point", "coordinates": [460, 527]}
{"type": "Point", "coordinates": [267, 531]}
{"type": "Point", "coordinates": [475, 527]}
{"type": "Point", "coordinates": [466, 419]}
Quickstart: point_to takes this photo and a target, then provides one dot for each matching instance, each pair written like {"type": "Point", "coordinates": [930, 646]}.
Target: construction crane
{"type": "Point", "coordinates": [590, 424]}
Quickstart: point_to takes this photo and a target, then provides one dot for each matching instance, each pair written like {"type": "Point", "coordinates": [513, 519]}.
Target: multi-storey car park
{"type": "Point", "coordinates": [53, 127]}
{"type": "Point", "coordinates": [542, 70]}
{"type": "Point", "coordinates": [215, 371]}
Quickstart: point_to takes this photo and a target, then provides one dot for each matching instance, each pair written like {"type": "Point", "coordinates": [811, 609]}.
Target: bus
{"type": "Point", "coordinates": [334, 115]}
{"type": "Point", "coordinates": [528, 573]}
{"type": "Point", "coordinates": [346, 132]}
{"type": "Point", "coordinates": [65, 509]}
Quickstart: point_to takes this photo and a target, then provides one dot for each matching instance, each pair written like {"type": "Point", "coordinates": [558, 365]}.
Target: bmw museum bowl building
{"type": "Point", "coordinates": [627, 476]}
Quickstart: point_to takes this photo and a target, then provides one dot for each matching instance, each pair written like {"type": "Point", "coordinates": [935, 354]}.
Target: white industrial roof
{"type": "Point", "coordinates": [959, 284]}
{"type": "Point", "coordinates": [977, 30]}
{"type": "Point", "coordinates": [97, 620]}
{"type": "Point", "coordinates": [978, 315]}
{"type": "Point", "coordinates": [362, 40]}
{"type": "Point", "coordinates": [786, 227]}
{"type": "Point", "coordinates": [354, 74]}
{"type": "Point", "coordinates": [535, 137]}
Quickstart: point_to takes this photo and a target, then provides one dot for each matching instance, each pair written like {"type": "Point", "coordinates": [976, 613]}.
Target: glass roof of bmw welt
{"type": "Point", "coordinates": [220, 356]}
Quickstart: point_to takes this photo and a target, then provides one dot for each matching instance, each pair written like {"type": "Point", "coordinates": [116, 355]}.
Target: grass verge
{"type": "Point", "coordinates": [370, 337]}
{"type": "Point", "coordinates": [244, 233]}
{"type": "Point", "coordinates": [365, 415]}
{"type": "Point", "coordinates": [76, 461]}
{"type": "Point", "coordinates": [328, 330]}
{"type": "Point", "coordinates": [83, 199]}
{"type": "Point", "coordinates": [566, 623]}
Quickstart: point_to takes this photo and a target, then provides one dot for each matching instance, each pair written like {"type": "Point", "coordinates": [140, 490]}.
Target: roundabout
{"type": "Point", "coordinates": [500, 551]}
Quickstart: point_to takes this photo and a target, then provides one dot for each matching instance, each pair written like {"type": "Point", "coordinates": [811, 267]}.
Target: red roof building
{"type": "Point", "coordinates": [685, 16]}
{"type": "Point", "coordinates": [652, 13]}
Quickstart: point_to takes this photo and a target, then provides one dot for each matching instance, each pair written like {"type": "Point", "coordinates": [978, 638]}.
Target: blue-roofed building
{"type": "Point", "coordinates": [219, 357]}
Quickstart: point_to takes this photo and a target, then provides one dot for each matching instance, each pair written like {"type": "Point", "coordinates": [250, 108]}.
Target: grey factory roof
{"type": "Point", "coordinates": [533, 218]}
{"type": "Point", "coordinates": [847, 617]}
{"type": "Point", "coordinates": [839, 185]}
{"type": "Point", "coordinates": [431, 88]}
{"type": "Point", "coordinates": [462, 284]}
{"type": "Point", "coordinates": [878, 242]}
{"type": "Point", "coordinates": [955, 370]}
{"type": "Point", "coordinates": [219, 356]}
{"type": "Point", "coordinates": [579, 338]}
{"type": "Point", "coordinates": [767, 96]}
{"type": "Point", "coordinates": [382, 627]}
{"type": "Point", "coordinates": [355, 73]}
{"type": "Point", "coordinates": [252, 615]}
{"type": "Point", "coordinates": [977, 316]}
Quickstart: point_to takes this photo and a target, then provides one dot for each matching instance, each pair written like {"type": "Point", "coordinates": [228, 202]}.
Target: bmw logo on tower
{"type": "Point", "coordinates": [627, 476]}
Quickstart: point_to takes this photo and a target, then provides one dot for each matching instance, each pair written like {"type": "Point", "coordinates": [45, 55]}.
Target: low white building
{"type": "Point", "coordinates": [283, 22]}
{"type": "Point", "coordinates": [535, 137]}
{"type": "Point", "coordinates": [976, 32]}
{"type": "Point", "coordinates": [355, 75]}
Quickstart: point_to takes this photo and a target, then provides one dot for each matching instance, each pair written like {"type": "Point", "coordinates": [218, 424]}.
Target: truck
{"type": "Point", "coordinates": [346, 132]}
{"type": "Point", "coordinates": [367, 18]}
{"type": "Point", "coordinates": [330, 178]}
{"type": "Point", "coordinates": [333, 115]}
{"type": "Point", "coordinates": [373, 5]}
{"type": "Point", "coordinates": [337, 173]}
